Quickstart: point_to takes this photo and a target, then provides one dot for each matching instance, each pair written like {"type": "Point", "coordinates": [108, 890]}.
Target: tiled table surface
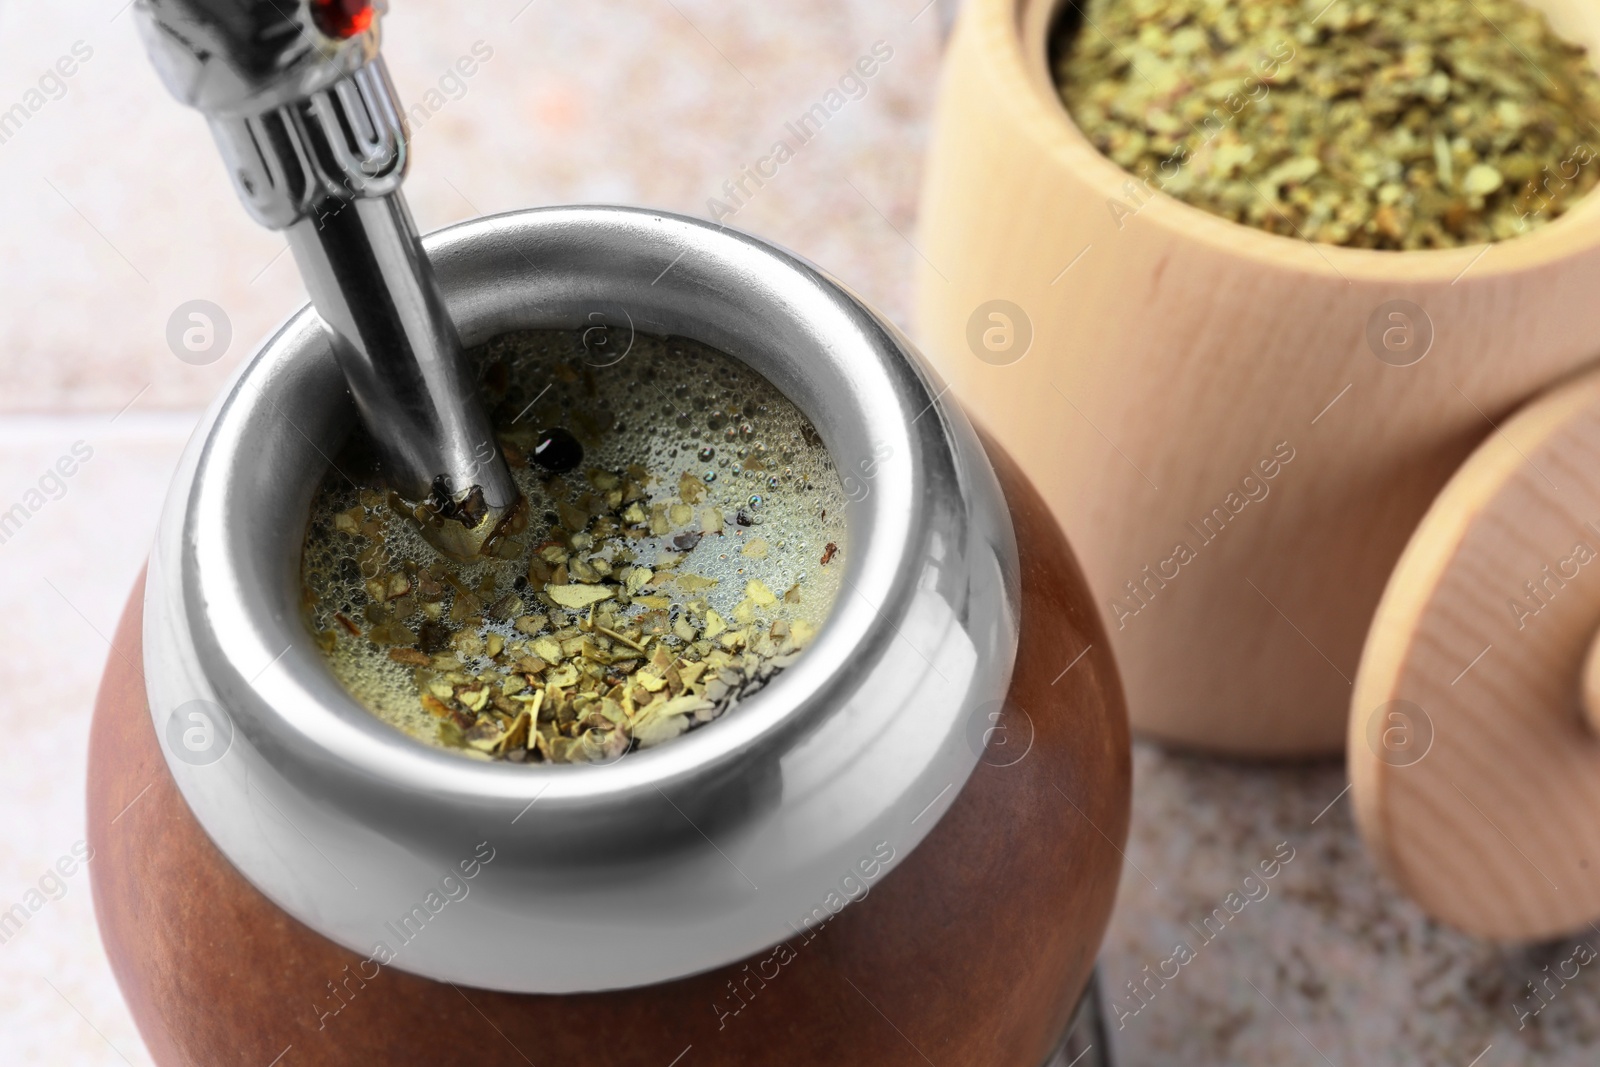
{"type": "Point", "coordinates": [116, 212]}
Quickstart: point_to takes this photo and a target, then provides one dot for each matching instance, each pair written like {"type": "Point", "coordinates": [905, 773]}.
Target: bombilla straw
{"type": "Point", "coordinates": [308, 123]}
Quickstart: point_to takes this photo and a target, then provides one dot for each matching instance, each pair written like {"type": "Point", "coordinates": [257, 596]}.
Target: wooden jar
{"type": "Point", "coordinates": [1212, 412]}
{"type": "Point", "coordinates": [972, 951]}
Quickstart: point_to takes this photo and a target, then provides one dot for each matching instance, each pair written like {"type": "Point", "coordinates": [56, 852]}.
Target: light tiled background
{"type": "Point", "coordinates": [114, 210]}
{"type": "Point", "coordinates": [117, 209]}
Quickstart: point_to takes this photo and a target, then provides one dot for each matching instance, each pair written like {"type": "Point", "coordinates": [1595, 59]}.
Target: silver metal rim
{"type": "Point", "coordinates": [669, 861]}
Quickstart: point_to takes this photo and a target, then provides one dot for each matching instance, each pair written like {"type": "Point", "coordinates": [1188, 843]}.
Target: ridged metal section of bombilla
{"type": "Point", "coordinates": [314, 141]}
{"type": "Point", "coordinates": [308, 158]}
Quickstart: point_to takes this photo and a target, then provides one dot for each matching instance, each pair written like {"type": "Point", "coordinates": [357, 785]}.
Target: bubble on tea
{"type": "Point", "coordinates": [684, 540]}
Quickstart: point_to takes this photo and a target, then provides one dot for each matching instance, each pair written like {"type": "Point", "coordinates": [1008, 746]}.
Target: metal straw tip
{"type": "Point", "coordinates": [466, 529]}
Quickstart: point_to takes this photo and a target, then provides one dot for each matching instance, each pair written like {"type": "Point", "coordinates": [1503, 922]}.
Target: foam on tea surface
{"type": "Point", "coordinates": [684, 541]}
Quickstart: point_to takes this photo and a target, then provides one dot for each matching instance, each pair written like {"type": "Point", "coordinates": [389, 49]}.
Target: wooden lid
{"type": "Point", "coordinates": [1475, 771]}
